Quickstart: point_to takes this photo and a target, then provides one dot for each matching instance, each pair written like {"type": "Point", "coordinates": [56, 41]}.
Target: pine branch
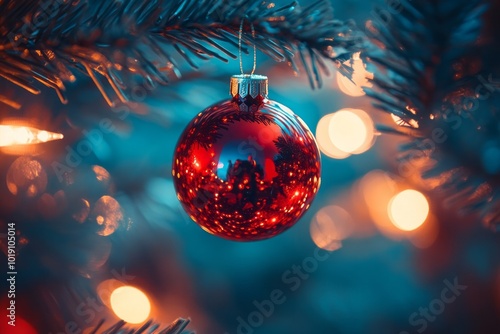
{"type": "Point", "coordinates": [176, 327]}
{"type": "Point", "coordinates": [420, 48]}
{"type": "Point", "coordinates": [112, 41]}
{"type": "Point", "coordinates": [433, 58]}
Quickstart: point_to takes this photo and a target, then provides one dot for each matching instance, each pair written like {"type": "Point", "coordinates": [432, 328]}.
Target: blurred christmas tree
{"type": "Point", "coordinates": [89, 203]}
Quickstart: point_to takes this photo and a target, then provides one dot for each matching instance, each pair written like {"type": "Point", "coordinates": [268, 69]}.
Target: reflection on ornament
{"type": "Point", "coordinates": [130, 304]}
{"type": "Point", "coordinates": [107, 214]}
{"type": "Point", "coordinates": [330, 226]}
{"type": "Point", "coordinates": [408, 210]}
{"type": "Point", "coordinates": [11, 135]}
{"type": "Point", "coordinates": [360, 78]}
{"type": "Point", "coordinates": [345, 132]}
{"type": "Point", "coordinates": [26, 177]}
{"type": "Point", "coordinates": [247, 168]}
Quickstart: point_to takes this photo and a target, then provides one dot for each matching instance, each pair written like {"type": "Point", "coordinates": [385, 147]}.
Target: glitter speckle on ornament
{"type": "Point", "coordinates": [247, 168]}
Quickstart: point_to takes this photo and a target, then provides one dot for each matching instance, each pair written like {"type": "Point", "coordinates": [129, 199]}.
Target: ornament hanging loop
{"type": "Point", "coordinates": [254, 47]}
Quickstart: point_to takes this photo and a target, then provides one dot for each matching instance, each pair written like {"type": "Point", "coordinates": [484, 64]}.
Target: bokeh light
{"type": "Point", "coordinates": [107, 213]}
{"type": "Point", "coordinates": [330, 226]}
{"type": "Point", "coordinates": [324, 140]}
{"type": "Point", "coordinates": [360, 78]}
{"type": "Point", "coordinates": [27, 177]}
{"type": "Point", "coordinates": [130, 304]}
{"type": "Point", "coordinates": [408, 210]}
{"type": "Point", "coordinates": [377, 188]}
{"type": "Point", "coordinates": [101, 173]}
{"type": "Point", "coordinates": [80, 210]}
{"type": "Point", "coordinates": [345, 132]}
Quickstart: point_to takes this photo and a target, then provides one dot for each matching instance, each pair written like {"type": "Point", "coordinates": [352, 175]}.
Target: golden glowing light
{"type": "Point", "coordinates": [26, 176]}
{"type": "Point", "coordinates": [101, 173]}
{"type": "Point", "coordinates": [408, 210]}
{"type": "Point", "coordinates": [351, 130]}
{"type": "Point", "coordinates": [130, 304]}
{"type": "Point", "coordinates": [11, 135]}
{"type": "Point", "coordinates": [377, 188]}
{"type": "Point", "coordinates": [330, 226]}
{"type": "Point", "coordinates": [108, 214]}
{"type": "Point", "coordinates": [345, 132]}
{"type": "Point", "coordinates": [324, 141]}
{"type": "Point", "coordinates": [360, 78]}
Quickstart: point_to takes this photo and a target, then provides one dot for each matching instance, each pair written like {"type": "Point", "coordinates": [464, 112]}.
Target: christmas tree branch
{"type": "Point", "coordinates": [176, 327]}
{"type": "Point", "coordinates": [416, 51]}
{"type": "Point", "coordinates": [111, 41]}
{"type": "Point", "coordinates": [432, 59]}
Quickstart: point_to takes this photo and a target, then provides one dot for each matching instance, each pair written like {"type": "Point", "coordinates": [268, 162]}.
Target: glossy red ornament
{"type": "Point", "coordinates": [246, 168]}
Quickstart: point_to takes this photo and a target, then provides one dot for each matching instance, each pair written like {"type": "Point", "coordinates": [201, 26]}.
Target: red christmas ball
{"type": "Point", "coordinates": [246, 168]}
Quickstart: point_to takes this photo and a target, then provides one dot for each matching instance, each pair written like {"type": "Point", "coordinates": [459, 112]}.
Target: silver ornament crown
{"type": "Point", "coordinates": [249, 85]}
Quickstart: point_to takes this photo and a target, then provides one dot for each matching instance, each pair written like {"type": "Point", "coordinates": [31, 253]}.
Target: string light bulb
{"type": "Point", "coordinates": [408, 210]}
{"type": "Point", "coordinates": [11, 135]}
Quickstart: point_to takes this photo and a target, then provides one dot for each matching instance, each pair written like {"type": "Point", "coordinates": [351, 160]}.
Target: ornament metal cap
{"type": "Point", "coordinates": [249, 85]}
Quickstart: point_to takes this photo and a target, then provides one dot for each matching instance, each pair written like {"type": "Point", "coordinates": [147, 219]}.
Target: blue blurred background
{"type": "Point", "coordinates": [377, 277]}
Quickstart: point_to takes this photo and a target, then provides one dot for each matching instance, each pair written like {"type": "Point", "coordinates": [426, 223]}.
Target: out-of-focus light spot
{"type": "Point", "coordinates": [80, 210]}
{"type": "Point", "coordinates": [130, 304]}
{"type": "Point", "coordinates": [101, 173]}
{"type": "Point", "coordinates": [11, 135]}
{"type": "Point", "coordinates": [408, 210]}
{"type": "Point", "coordinates": [377, 188]}
{"type": "Point", "coordinates": [347, 131]}
{"type": "Point", "coordinates": [108, 214]}
{"type": "Point", "coordinates": [325, 142]}
{"type": "Point", "coordinates": [330, 226]}
{"type": "Point", "coordinates": [360, 78]}
{"type": "Point", "coordinates": [26, 176]}
{"type": "Point", "coordinates": [351, 131]}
